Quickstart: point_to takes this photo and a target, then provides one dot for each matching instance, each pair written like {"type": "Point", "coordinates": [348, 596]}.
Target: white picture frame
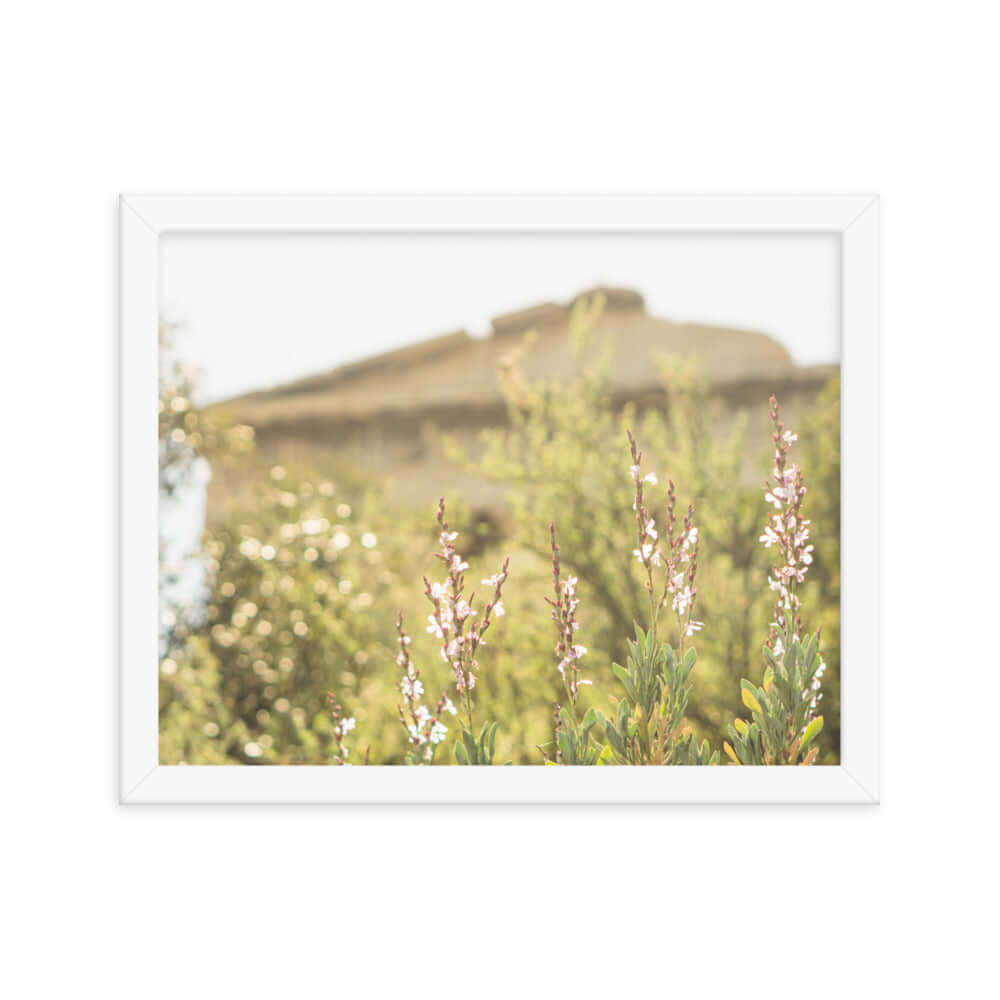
{"type": "Point", "coordinates": [144, 219]}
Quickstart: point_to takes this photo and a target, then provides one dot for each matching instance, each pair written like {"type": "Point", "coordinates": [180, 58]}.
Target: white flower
{"type": "Point", "coordinates": [347, 725]}
{"type": "Point", "coordinates": [682, 600]}
{"type": "Point", "coordinates": [648, 553]}
{"type": "Point", "coordinates": [634, 472]}
{"type": "Point", "coordinates": [650, 478]}
{"type": "Point", "coordinates": [434, 628]}
{"type": "Point", "coordinates": [651, 530]}
{"type": "Point", "coordinates": [498, 609]}
{"type": "Point", "coordinates": [411, 687]}
{"type": "Point", "coordinates": [449, 707]}
{"type": "Point", "coordinates": [769, 537]}
{"type": "Point", "coordinates": [458, 565]}
{"type": "Point", "coordinates": [438, 732]}
{"type": "Point", "coordinates": [693, 627]}
{"type": "Point", "coordinates": [493, 580]}
{"type": "Point", "coordinates": [789, 438]}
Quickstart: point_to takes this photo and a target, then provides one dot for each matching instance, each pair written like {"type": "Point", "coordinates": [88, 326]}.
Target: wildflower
{"type": "Point", "coordinates": [340, 728]}
{"type": "Point", "coordinates": [450, 620]}
{"type": "Point", "coordinates": [648, 555]}
{"type": "Point", "coordinates": [679, 552]}
{"type": "Point", "coordinates": [769, 538]}
{"type": "Point", "coordinates": [418, 720]}
{"type": "Point", "coordinates": [564, 615]}
{"type": "Point", "coordinates": [412, 687]}
{"type": "Point", "coordinates": [788, 532]}
{"type": "Point", "coordinates": [682, 600]}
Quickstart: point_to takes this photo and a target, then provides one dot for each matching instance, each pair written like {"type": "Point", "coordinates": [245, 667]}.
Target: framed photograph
{"type": "Point", "coordinates": [413, 488]}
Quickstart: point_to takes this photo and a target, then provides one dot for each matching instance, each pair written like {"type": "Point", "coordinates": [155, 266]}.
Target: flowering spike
{"type": "Point", "coordinates": [451, 619]}
{"type": "Point", "coordinates": [564, 615]}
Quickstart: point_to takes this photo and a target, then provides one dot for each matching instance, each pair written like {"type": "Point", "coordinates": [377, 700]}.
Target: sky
{"type": "Point", "coordinates": [259, 310]}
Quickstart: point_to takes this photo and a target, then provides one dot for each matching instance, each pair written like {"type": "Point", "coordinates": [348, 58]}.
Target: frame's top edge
{"type": "Point", "coordinates": [452, 195]}
{"type": "Point", "coordinates": [262, 213]}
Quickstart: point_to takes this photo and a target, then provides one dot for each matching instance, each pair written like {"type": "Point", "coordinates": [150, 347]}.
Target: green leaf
{"type": "Point", "coordinates": [470, 746]}
{"type": "Point", "coordinates": [749, 698]}
{"type": "Point", "coordinates": [812, 730]}
{"type": "Point", "coordinates": [614, 738]}
{"type": "Point", "coordinates": [622, 674]}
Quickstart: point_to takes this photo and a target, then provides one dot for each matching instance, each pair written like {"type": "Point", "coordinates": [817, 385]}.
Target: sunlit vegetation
{"type": "Point", "coordinates": [640, 619]}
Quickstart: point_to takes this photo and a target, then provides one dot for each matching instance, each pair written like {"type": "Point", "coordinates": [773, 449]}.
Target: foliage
{"type": "Point", "coordinates": [310, 581]}
{"type": "Point", "coordinates": [295, 571]}
{"type": "Point", "coordinates": [555, 460]}
{"type": "Point", "coordinates": [784, 707]}
{"type": "Point", "coordinates": [190, 441]}
{"type": "Point", "coordinates": [783, 725]}
{"type": "Point", "coordinates": [649, 720]}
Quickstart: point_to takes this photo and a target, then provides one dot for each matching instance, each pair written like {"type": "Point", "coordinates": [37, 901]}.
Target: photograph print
{"type": "Point", "coordinates": [501, 498]}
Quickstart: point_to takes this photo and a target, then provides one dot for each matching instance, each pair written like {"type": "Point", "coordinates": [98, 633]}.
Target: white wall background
{"type": "Point", "coordinates": [898, 900]}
